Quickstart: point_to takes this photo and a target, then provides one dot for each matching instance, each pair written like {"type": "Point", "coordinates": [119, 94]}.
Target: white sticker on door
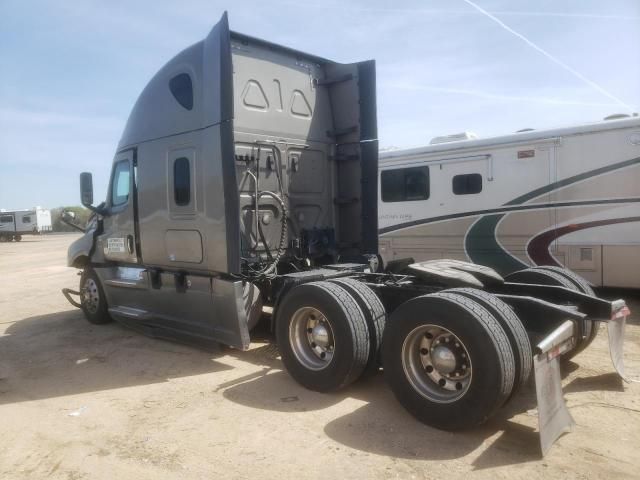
{"type": "Point", "coordinates": [115, 245]}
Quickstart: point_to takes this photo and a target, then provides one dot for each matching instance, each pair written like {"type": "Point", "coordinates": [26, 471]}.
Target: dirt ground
{"type": "Point", "coordinates": [82, 401]}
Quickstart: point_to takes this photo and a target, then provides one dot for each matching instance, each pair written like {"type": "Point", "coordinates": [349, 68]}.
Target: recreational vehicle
{"type": "Point", "coordinates": [246, 177]}
{"type": "Point", "coordinates": [567, 197]}
{"type": "Point", "coordinates": [16, 223]}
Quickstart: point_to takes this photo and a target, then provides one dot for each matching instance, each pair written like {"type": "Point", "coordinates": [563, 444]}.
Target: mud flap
{"type": "Point", "coordinates": [554, 418]}
{"type": "Point", "coordinates": [615, 329]}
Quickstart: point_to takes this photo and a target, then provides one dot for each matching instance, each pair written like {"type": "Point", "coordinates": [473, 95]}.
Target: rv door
{"type": "Point", "coordinates": [119, 242]}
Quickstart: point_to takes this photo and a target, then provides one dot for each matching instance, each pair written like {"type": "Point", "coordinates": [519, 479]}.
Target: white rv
{"type": "Point", "coordinates": [566, 197]}
{"type": "Point", "coordinates": [16, 223]}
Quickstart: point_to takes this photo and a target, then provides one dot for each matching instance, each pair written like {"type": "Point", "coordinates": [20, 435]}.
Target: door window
{"type": "Point", "coordinates": [121, 184]}
{"type": "Point", "coordinates": [181, 181]}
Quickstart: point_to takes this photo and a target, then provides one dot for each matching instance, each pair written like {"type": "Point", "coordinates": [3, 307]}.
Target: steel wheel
{"type": "Point", "coordinates": [311, 338]}
{"type": "Point", "coordinates": [436, 363]}
{"type": "Point", "coordinates": [90, 296]}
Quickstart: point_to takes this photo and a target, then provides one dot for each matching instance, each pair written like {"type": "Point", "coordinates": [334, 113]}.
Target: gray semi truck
{"type": "Point", "coordinates": [247, 177]}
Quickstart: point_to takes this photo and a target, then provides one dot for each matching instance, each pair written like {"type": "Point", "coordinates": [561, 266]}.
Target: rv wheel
{"type": "Point", "coordinates": [447, 360]}
{"type": "Point", "coordinates": [17, 238]}
{"type": "Point", "coordinates": [322, 336]}
{"type": "Point", "coordinates": [92, 299]}
{"type": "Point", "coordinates": [3, 239]}
{"type": "Point", "coordinates": [562, 278]}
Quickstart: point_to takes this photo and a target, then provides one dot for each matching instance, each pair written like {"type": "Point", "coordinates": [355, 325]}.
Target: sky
{"type": "Point", "coordinates": [70, 71]}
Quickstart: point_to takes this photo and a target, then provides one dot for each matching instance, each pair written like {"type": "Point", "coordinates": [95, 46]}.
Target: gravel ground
{"type": "Point", "coordinates": [83, 401]}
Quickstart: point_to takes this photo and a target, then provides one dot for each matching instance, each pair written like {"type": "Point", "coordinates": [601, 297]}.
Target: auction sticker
{"type": "Point", "coordinates": [115, 245]}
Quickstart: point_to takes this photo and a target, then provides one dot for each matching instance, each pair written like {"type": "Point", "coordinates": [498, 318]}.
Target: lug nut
{"type": "Point", "coordinates": [442, 382]}
{"type": "Point", "coordinates": [464, 367]}
{"type": "Point", "coordinates": [429, 369]}
{"type": "Point", "coordinates": [446, 339]}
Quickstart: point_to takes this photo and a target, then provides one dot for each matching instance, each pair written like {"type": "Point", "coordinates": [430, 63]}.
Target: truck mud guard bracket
{"type": "Point", "coordinates": [67, 292]}
{"type": "Point", "coordinates": [553, 416]}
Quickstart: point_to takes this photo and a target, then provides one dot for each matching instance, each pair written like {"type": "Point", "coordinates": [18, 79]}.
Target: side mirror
{"type": "Point", "coordinates": [69, 218]}
{"type": "Point", "coordinates": [69, 215]}
{"type": "Point", "coordinates": [86, 189]}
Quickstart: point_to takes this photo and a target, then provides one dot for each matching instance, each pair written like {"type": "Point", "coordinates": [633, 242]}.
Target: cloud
{"type": "Point", "coordinates": [551, 57]}
{"type": "Point", "coordinates": [493, 96]}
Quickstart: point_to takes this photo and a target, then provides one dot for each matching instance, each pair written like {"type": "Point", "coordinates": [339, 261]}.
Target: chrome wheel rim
{"type": "Point", "coordinates": [437, 363]}
{"type": "Point", "coordinates": [311, 338]}
{"type": "Point", "coordinates": [90, 295]}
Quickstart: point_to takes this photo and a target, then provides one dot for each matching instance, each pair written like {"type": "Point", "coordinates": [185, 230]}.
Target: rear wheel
{"type": "Point", "coordinates": [92, 298]}
{"type": "Point", "coordinates": [374, 313]}
{"type": "Point", "coordinates": [17, 238]}
{"type": "Point", "coordinates": [4, 238]}
{"type": "Point", "coordinates": [448, 360]}
{"type": "Point", "coordinates": [584, 287]}
{"type": "Point", "coordinates": [512, 326]}
{"type": "Point", "coordinates": [322, 336]}
{"type": "Point", "coordinates": [563, 278]}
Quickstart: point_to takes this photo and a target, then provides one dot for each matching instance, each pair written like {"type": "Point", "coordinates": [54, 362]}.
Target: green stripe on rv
{"type": "Point", "coordinates": [481, 242]}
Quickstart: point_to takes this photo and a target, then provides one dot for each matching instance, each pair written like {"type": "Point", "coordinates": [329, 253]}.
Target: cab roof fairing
{"type": "Point", "coordinates": [156, 114]}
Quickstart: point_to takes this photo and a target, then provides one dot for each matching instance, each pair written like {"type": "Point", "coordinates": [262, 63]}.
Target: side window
{"type": "Point", "coordinates": [181, 181]}
{"type": "Point", "coordinates": [6, 219]}
{"type": "Point", "coordinates": [467, 184]}
{"type": "Point", "coordinates": [182, 90]}
{"type": "Point", "coordinates": [405, 184]}
{"type": "Point", "coordinates": [120, 184]}
{"type": "Point", "coordinates": [26, 219]}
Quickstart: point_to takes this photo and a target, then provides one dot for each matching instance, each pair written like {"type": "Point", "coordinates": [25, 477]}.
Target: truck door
{"type": "Point", "coordinates": [119, 240]}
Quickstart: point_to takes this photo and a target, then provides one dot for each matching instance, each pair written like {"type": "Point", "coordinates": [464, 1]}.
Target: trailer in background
{"type": "Point", "coordinates": [566, 197]}
{"type": "Point", "coordinates": [16, 223]}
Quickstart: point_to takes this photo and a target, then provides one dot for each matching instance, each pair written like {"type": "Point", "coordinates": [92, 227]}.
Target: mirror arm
{"type": "Point", "coordinates": [73, 225]}
{"type": "Point", "coordinates": [99, 210]}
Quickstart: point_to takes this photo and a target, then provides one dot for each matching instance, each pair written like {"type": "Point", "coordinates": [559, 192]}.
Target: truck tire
{"type": "Point", "coordinates": [322, 336]}
{"type": "Point", "coordinates": [374, 314]}
{"type": "Point", "coordinates": [3, 239]}
{"type": "Point", "coordinates": [92, 298]}
{"type": "Point", "coordinates": [559, 277]}
{"type": "Point", "coordinates": [592, 326]}
{"type": "Point", "coordinates": [448, 360]}
{"type": "Point", "coordinates": [577, 280]}
{"type": "Point", "coordinates": [17, 238]}
{"type": "Point", "coordinates": [514, 329]}
{"type": "Point", "coordinates": [540, 277]}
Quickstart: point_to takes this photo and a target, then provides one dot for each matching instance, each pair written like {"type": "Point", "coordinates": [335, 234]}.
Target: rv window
{"type": "Point", "coordinates": [182, 90]}
{"type": "Point", "coordinates": [405, 184]}
{"type": "Point", "coordinates": [120, 186]}
{"type": "Point", "coordinates": [467, 184]}
{"type": "Point", "coordinates": [26, 219]}
{"type": "Point", "coordinates": [6, 219]}
{"type": "Point", "coordinates": [181, 181]}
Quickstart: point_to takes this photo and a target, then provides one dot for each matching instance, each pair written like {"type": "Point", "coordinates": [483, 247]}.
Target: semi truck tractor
{"type": "Point", "coordinates": [244, 189]}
